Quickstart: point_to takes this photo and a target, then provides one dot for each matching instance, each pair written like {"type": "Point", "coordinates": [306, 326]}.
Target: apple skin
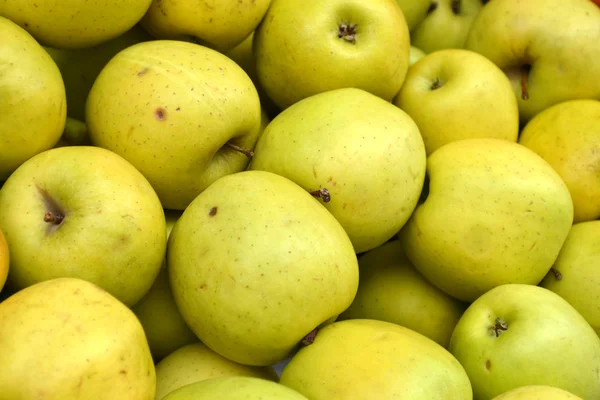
{"type": "Point", "coordinates": [566, 135]}
{"type": "Point", "coordinates": [316, 59]}
{"type": "Point", "coordinates": [4, 260]}
{"type": "Point", "coordinates": [414, 11]}
{"type": "Point", "coordinates": [558, 39]}
{"type": "Point", "coordinates": [545, 342]}
{"type": "Point", "coordinates": [415, 55]}
{"type": "Point", "coordinates": [113, 233]}
{"type": "Point", "coordinates": [578, 266]}
{"type": "Point", "coordinates": [537, 392]}
{"type": "Point", "coordinates": [170, 108]}
{"type": "Point", "coordinates": [456, 94]}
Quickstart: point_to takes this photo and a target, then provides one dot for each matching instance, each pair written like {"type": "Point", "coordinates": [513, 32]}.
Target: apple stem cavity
{"type": "Point", "coordinates": [246, 152]}
{"type": "Point", "coordinates": [556, 273]}
{"type": "Point", "coordinates": [310, 338]}
{"type": "Point", "coordinates": [499, 327]}
{"type": "Point", "coordinates": [54, 214]}
{"type": "Point", "coordinates": [455, 6]}
{"type": "Point", "coordinates": [347, 32]}
{"type": "Point", "coordinates": [323, 194]}
{"type": "Point", "coordinates": [525, 69]}
{"type": "Point", "coordinates": [437, 83]}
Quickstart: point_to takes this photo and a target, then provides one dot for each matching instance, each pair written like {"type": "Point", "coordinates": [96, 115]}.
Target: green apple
{"type": "Point", "coordinates": [537, 392]}
{"type": "Point", "coordinates": [458, 94]}
{"type": "Point", "coordinates": [575, 275]}
{"type": "Point", "coordinates": [566, 135]}
{"type": "Point", "coordinates": [87, 213]}
{"type": "Point", "coordinates": [235, 388]}
{"type": "Point", "coordinates": [182, 114]}
{"type": "Point", "coordinates": [415, 55]}
{"type": "Point", "coordinates": [414, 11]}
{"type": "Point", "coordinates": [256, 264]}
{"type": "Point", "coordinates": [362, 359]}
{"type": "Point", "coordinates": [307, 47]}
{"type": "Point", "coordinates": [74, 23]}
{"type": "Point", "coordinates": [496, 213]}
{"type": "Point", "coordinates": [196, 362]}
{"type": "Point", "coordinates": [319, 145]}
{"type": "Point", "coordinates": [80, 67]}
{"type": "Point", "coordinates": [218, 24]}
{"type": "Point", "coordinates": [548, 48]}
{"type": "Point", "coordinates": [165, 329]}
{"type": "Point", "coordinates": [4, 260]}
{"type": "Point", "coordinates": [446, 25]}
{"type": "Point", "coordinates": [390, 289]}
{"type": "Point", "coordinates": [66, 338]}
{"type": "Point", "coordinates": [519, 335]}
{"type": "Point", "coordinates": [32, 98]}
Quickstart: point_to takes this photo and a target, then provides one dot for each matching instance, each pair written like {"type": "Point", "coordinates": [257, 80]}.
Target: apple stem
{"type": "Point", "coordinates": [310, 338]}
{"type": "Point", "coordinates": [52, 218]}
{"type": "Point", "coordinates": [499, 327]}
{"type": "Point", "coordinates": [347, 32]}
{"type": "Point", "coordinates": [524, 76]}
{"type": "Point", "coordinates": [556, 273]}
{"type": "Point", "coordinates": [323, 194]}
{"type": "Point", "coordinates": [246, 152]}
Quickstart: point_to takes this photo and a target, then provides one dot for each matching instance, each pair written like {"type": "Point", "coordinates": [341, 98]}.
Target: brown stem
{"type": "Point", "coordinates": [524, 76]}
{"type": "Point", "coordinates": [246, 152]}
{"type": "Point", "coordinates": [556, 273]}
{"type": "Point", "coordinates": [52, 218]}
{"type": "Point", "coordinates": [310, 338]}
{"type": "Point", "coordinates": [323, 194]}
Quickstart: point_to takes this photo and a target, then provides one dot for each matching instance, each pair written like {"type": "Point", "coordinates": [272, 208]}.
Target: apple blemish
{"type": "Point", "coordinates": [498, 328]}
{"type": "Point", "coordinates": [160, 114]}
{"type": "Point", "coordinates": [347, 32]}
{"type": "Point", "coordinates": [212, 212]}
{"type": "Point", "coordinates": [323, 194]}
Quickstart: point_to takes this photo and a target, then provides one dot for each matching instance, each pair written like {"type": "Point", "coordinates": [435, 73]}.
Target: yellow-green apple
{"type": "Point", "coordinates": [218, 24]}
{"type": "Point", "coordinates": [567, 135]}
{"type": "Point", "coordinates": [495, 213]}
{"type": "Point", "coordinates": [548, 48]}
{"type": "Point", "coordinates": [196, 362]}
{"type": "Point", "coordinates": [323, 146]}
{"type": "Point", "coordinates": [446, 25]}
{"type": "Point", "coordinates": [4, 260]}
{"type": "Point", "coordinates": [537, 392]}
{"type": "Point", "coordinates": [415, 55]}
{"type": "Point", "coordinates": [32, 98]}
{"type": "Point", "coordinates": [66, 338]}
{"type": "Point", "coordinates": [235, 388]}
{"type": "Point", "coordinates": [182, 114]}
{"type": "Point", "coordinates": [307, 47]}
{"type": "Point", "coordinates": [362, 359]}
{"type": "Point", "coordinates": [519, 335]}
{"type": "Point", "coordinates": [575, 275]}
{"type": "Point", "coordinates": [414, 11]}
{"type": "Point", "coordinates": [390, 289]}
{"type": "Point", "coordinates": [165, 329]}
{"type": "Point", "coordinates": [83, 212]}
{"type": "Point", "coordinates": [74, 23]}
{"type": "Point", "coordinates": [256, 264]}
{"type": "Point", "coordinates": [458, 94]}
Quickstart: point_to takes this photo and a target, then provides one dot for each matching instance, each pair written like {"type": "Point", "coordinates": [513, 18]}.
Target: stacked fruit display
{"type": "Point", "coordinates": [283, 199]}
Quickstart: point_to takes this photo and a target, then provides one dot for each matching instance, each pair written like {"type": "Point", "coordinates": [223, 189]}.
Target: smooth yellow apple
{"type": "Point", "coordinates": [362, 359]}
{"type": "Point", "coordinates": [307, 47]}
{"type": "Point", "coordinates": [235, 388]}
{"type": "Point", "coordinates": [414, 11]}
{"type": "Point", "coordinates": [446, 25]}
{"type": "Point", "coordinates": [567, 136]}
{"type": "Point", "coordinates": [548, 48]}
{"type": "Point", "coordinates": [390, 289]}
{"type": "Point", "coordinates": [179, 112]}
{"type": "Point", "coordinates": [83, 212]}
{"type": "Point", "coordinates": [4, 260]}
{"type": "Point", "coordinates": [66, 338]}
{"type": "Point", "coordinates": [370, 159]}
{"type": "Point", "coordinates": [519, 335]}
{"type": "Point", "coordinates": [496, 213]}
{"type": "Point", "coordinates": [74, 23]}
{"type": "Point", "coordinates": [256, 264]}
{"type": "Point", "coordinates": [537, 392]}
{"type": "Point", "coordinates": [195, 362]}
{"type": "Point", "coordinates": [575, 275]}
{"type": "Point", "coordinates": [32, 98]}
{"type": "Point", "coordinates": [415, 55]}
{"type": "Point", "coordinates": [218, 24]}
{"type": "Point", "coordinates": [458, 94]}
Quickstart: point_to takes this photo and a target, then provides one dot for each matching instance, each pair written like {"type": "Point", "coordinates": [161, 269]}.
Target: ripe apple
{"type": "Point", "coordinates": [256, 264]}
{"type": "Point", "coordinates": [196, 362]}
{"type": "Point", "coordinates": [458, 94]}
{"type": "Point", "coordinates": [566, 135]}
{"type": "Point", "coordinates": [182, 114]}
{"type": "Point", "coordinates": [535, 43]}
{"type": "Point", "coordinates": [446, 25]}
{"type": "Point", "coordinates": [320, 146]}
{"type": "Point", "coordinates": [307, 47]}
{"type": "Point", "coordinates": [362, 359]}
{"type": "Point", "coordinates": [575, 275]}
{"type": "Point", "coordinates": [74, 23]}
{"type": "Point", "coordinates": [32, 98]}
{"type": "Point", "coordinates": [87, 213]}
{"type": "Point", "coordinates": [496, 213]}
{"type": "Point", "coordinates": [391, 289]}
{"type": "Point", "coordinates": [4, 260]}
{"type": "Point", "coordinates": [537, 392]}
{"type": "Point", "coordinates": [220, 25]}
{"type": "Point", "coordinates": [414, 11]}
{"type": "Point", "coordinates": [519, 335]}
{"type": "Point", "coordinates": [415, 55]}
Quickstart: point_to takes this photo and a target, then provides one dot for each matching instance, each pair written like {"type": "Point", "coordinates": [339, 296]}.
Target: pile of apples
{"type": "Point", "coordinates": [300, 200]}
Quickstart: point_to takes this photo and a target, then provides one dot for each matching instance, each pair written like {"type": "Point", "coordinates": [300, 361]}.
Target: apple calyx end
{"type": "Point", "coordinates": [347, 32]}
{"type": "Point", "coordinates": [432, 7]}
{"type": "Point", "coordinates": [309, 338]}
{"type": "Point", "coordinates": [323, 194]}
{"type": "Point", "coordinates": [247, 152]}
{"type": "Point", "coordinates": [500, 326]}
{"type": "Point", "coordinates": [436, 84]}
